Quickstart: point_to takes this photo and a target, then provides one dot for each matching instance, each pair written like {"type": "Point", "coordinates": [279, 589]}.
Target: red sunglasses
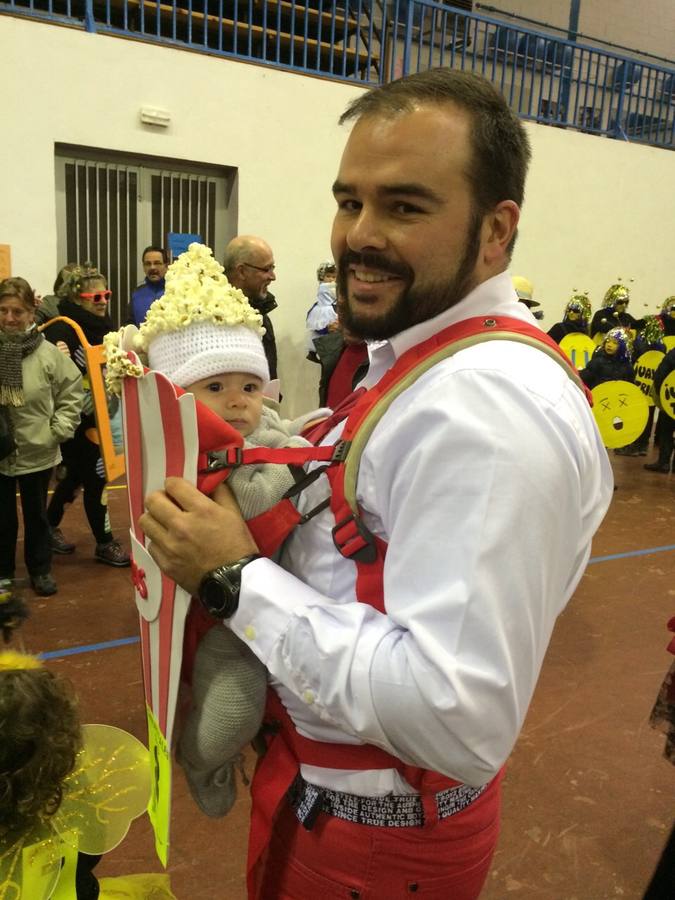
{"type": "Point", "coordinates": [98, 297]}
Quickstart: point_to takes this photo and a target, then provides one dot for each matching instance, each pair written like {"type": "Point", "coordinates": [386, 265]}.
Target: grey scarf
{"type": "Point", "coordinates": [13, 348]}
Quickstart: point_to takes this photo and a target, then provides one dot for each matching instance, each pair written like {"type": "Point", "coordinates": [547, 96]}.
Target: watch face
{"type": "Point", "coordinates": [219, 593]}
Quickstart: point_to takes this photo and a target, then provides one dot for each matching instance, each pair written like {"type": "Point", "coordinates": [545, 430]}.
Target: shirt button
{"type": "Point", "coordinates": [308, 697]}
{"type": "Point", "coordinates": [249, 632]}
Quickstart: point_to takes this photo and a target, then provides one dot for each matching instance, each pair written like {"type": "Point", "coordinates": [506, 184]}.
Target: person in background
{"type": "Point", "coordinates": [84, 298]}
{"type": "Point", "coordinates": [525, 291]}
{"type": "Point", "coordinates": [41, 396]}
{"type": "Point", "coordinates": [48, 308]}
{"type": "Point", "coordinates": [667, 316]}
{"type": "Point", "coordinates": [575, 319]}
{"type": "Point", "coordinates": [322, 316]}
{"type": "Point", "coordinates": [249, 265]}
{"type": "Point", "coordinates": [154, 261]}
{"type": "Point", "coordinates": [612, 360]}
{"type": "Point", "coordinates": [614, 311]}
{"type": "Point", "coordinates": [401, 688]}
{"type": "Point", "coordinates": [343, 358]}
{"type": "Point", "coordinates": [665, 424]}
{"type": "Point", "coordinates": [650, 337]}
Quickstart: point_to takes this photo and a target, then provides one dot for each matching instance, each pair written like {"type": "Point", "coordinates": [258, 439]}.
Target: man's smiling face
{"type": "Point", "coordinates": [406, 234]}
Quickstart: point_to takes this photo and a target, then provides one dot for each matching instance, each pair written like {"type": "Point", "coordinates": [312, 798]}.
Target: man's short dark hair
{"type": "Point", "coordinates": [153, 249]}
{"type": "Point", "coordinates": [501, 147]}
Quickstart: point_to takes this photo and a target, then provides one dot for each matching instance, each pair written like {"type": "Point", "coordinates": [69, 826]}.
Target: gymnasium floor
{"type": "Point", "coordinates": [588, 797]}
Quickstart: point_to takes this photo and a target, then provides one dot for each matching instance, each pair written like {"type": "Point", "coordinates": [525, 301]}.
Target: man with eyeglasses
{"type": "Point", "coordinates": [249, 265]}
{"type": "Point", "coordinates": [154, 265]}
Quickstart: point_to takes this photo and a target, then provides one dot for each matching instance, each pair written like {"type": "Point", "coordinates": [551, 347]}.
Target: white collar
{"type": "Point", "coordinates": [496, 297]}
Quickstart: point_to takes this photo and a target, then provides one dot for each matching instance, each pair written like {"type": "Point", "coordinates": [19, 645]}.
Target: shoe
{"type": "Point", "coordinates": [6, 584]}
{"type": "Point", "coordinates": [658, 467]}
{"type": "Point", "coordinates": [59, 543]}
{"type": "Point", "coordinates": [214, 791]}
{"type": "Point", "coordinates": [112, 554]}
{"type": "Point", "coordinates": [43, 585]}
{"type": "Point", "coordinates": [642, 451]}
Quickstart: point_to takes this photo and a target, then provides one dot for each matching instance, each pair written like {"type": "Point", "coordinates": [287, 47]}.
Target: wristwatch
{"type": "Point", "coordinates": [219, 589]}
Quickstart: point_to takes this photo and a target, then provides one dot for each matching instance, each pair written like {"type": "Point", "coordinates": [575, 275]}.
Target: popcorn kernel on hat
{"type": "Point", "coordinates": [202, 349]}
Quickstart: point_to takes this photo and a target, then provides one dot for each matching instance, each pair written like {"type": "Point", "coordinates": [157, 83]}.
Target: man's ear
{"type": "Point", "coordinates": [499, 227]}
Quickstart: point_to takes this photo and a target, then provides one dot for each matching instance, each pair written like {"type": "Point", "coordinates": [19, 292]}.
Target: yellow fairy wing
{"type": "Point", "coordinates": [30, 864]}
{"type": "Point", "coordinates": [109, 787]}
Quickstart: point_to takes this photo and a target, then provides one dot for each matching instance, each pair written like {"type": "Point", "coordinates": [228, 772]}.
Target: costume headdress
{"type": "Point", "coordinates": [622, 337]}
{"type": "Point", "coordinates": [579, 303]}
{"type": "Point", "coordinates": [615, 293]}
{"type": "Point", "coordinates": [652, 330]}
{"type": "Point", "coordinates": [201, 326]}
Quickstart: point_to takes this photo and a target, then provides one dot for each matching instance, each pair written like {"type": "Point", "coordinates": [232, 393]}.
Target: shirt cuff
{"type": "Point", "coordinates": [268, 598]}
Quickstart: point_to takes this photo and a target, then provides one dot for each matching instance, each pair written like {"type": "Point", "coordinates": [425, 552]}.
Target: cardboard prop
{"type": "Point", "coordinates": [667, 395]}
{"type": "Point", "coordinates": [621, 411]}
{"type": "Point", "coordinates": [161, 440]}
{"type": "Point", "coordinates": [645, 366]}
{"type": "Point", "coordinates": [113, 460]}
{"type": "Point", "coordinates": [578, 348]}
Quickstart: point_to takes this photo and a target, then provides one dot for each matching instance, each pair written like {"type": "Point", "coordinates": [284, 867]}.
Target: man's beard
{"type": "Point", "coordinates": [415, 305]}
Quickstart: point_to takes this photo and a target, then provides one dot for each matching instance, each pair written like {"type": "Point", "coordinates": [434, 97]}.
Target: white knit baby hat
{"type": "Point", "coordinates": [202, 325]}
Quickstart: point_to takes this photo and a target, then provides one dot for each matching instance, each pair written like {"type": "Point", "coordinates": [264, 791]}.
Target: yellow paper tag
{"type": "Point", "coordinates": [669, 341]}
{"type": "Point", "coordinates": [65, 889]}
{"type": "Point", "coordinates": [159, 809]}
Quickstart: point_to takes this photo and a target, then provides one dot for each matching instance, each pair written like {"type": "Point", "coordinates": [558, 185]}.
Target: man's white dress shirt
{"type": "Point", "coordinates": [487, 478]}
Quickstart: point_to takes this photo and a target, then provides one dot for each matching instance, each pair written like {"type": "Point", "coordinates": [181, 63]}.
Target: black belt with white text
{"type": "Point", "coordinates": [389, 811]}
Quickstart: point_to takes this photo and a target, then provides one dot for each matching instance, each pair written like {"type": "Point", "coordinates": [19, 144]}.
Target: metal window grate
{"type": "Point", "coordinates": [184, 203]}
{"type": "Point", "coordinates": [101, 212]}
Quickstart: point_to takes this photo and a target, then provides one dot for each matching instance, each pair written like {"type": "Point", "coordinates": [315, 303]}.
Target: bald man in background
{"type": "Point", "coordinates": [249, 265]}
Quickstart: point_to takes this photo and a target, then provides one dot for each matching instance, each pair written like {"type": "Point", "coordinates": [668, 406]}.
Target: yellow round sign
{"type": "Point", "coordinates": [621, 411]}
{"type": "Point", "coordinates": [645, 366]}
{"type": "Point", "coordinates": [669, 341]}
{"type": "Point", "coordinates": [578, 348]}
{"type": "Point", "coordinates": [667, 395]}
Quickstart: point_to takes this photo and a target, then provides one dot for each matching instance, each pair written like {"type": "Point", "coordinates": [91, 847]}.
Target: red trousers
{"type": "Point", "coordinates": [339, 859]}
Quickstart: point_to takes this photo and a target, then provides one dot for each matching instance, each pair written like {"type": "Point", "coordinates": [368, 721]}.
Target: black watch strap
{"type": "Point", "coordinates": [219, 589]}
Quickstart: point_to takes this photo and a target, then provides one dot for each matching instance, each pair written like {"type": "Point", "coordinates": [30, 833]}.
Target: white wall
{"type": "Point", "coordinates": [595, 208]}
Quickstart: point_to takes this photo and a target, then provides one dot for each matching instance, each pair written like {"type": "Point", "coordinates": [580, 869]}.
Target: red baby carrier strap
{"type": "Point", "coordinates": [287, 749]}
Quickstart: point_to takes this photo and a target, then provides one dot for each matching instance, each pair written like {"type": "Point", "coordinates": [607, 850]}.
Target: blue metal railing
{"type": "Point", "coordinates": [545, 78]}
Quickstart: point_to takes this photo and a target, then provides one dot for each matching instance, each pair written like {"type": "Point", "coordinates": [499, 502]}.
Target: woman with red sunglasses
{"type": "Point", "coordinates": [84, 298]}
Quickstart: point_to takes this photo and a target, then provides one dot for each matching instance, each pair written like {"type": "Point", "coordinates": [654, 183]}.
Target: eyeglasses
{"type": "Point", "coordinates": [268, 270]}
{"type": "Point", "coordinates": [98, 297]}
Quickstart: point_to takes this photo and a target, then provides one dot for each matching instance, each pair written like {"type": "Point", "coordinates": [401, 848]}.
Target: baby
{"type": "Point", "coordinates": [206, 338]}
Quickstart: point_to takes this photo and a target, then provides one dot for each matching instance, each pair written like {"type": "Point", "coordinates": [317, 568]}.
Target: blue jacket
{"type": "Point", "coordinates": [142, 297]}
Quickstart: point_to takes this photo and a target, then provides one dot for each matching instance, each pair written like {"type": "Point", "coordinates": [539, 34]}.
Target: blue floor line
{"type": "Point", "coordinates": [121, 642]}
{"type": "Point", "coordinates": [87, 648]}
{"type": "Point", "coordinates": [663, 549]}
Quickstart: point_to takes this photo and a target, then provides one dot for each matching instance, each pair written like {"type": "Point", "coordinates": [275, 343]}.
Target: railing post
{"type": "Point", "coordinates": [618, 127]}
{"type": "Point", "coordinates": [407, 46]}
{"type": "Point", "coordinates": [89, 20]}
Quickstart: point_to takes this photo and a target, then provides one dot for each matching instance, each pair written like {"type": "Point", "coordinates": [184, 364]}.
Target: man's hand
{"type": "Point", "coordinates": [191, 534]}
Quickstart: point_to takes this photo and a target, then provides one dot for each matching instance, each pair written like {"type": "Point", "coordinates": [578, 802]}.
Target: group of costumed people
{"type": "Point", "coordinates": [621, 341]}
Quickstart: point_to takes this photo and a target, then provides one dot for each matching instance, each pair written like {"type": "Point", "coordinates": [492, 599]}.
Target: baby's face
{"type": "Point", "coordinates": [235, 397]}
